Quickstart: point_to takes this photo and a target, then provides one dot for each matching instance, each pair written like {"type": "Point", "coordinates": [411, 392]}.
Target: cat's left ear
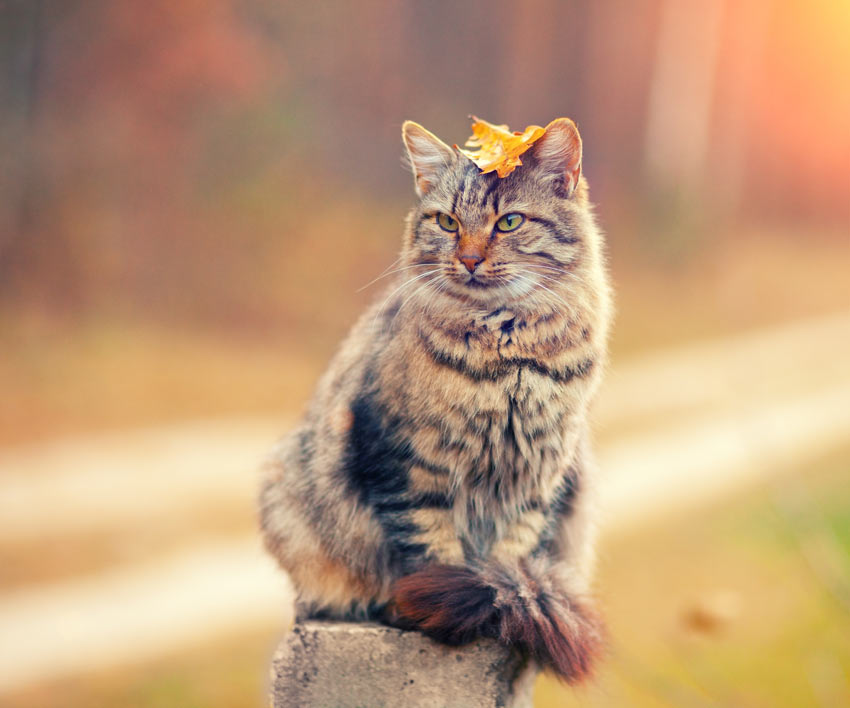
{"type": "Point", "coordinates": [558, 153]}
{"type": "Point", "coordinates": [428, 155]}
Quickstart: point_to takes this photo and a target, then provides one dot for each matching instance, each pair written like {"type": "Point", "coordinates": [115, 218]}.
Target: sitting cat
{"type": "Point", "coordinates": [440, 478]}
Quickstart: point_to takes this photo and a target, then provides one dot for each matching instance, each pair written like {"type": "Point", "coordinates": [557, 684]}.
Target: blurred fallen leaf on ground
{"type": "Point", "coordinates": [712, 612]}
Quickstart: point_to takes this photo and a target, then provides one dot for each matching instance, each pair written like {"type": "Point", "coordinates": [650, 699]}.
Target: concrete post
{"type": "Point", "coordinates": [365, 665]}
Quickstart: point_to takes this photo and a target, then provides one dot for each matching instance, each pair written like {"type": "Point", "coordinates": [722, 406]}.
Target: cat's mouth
{"type": "Point", "coordinates": [473, 282]}
{"type": "Point", "coordinates": [488, 290]}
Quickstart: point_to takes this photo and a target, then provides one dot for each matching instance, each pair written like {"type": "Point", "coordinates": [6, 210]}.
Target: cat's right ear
{"type": "Point", "coordinates": [558, 154]}
{"type": "Point", "coordinates": [427, 153]}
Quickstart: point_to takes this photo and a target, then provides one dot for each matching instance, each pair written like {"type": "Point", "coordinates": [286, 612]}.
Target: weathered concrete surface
{"type": "Point", "coordinates": [364, 665]}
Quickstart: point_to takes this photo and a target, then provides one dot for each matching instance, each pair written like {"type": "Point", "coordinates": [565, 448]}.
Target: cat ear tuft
{"type": "Point", "coordinates": [558, 153]}
{"type": "Point", "coordinates": [428, 155]}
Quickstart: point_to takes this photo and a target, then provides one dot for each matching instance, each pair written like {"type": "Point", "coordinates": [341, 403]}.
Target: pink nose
{"type": "Point", "coordinates": [471, 262]}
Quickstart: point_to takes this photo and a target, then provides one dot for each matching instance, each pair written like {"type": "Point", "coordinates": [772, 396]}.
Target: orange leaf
{"type": "Point", "coordinates": [495, 147]}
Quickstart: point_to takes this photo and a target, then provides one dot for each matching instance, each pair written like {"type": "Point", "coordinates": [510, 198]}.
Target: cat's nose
{"type": "Point", "coordinates": [471, 261]}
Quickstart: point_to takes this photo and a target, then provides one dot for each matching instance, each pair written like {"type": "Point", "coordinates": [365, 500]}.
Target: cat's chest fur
{"type": "Point", "coordinates": [483, 401]}
{"type": "Point", "coordinates": [496, 331]}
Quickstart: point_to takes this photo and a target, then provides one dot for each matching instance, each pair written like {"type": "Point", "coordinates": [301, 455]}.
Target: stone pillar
{"type": "Point", "coordinates": [364, 665]}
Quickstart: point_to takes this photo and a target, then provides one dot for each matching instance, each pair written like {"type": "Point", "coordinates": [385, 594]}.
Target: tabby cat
{"type": "Point", "coordinates": [440, 478]}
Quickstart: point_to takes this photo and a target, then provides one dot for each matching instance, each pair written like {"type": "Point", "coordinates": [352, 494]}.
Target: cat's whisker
{"type": "Point", "coordinates": [386, 273]}
{"type": "Point", "coordinates": [511, 283]}
{"type": "Point", "coordinates": [442, 284]}
{"type": "Point", "coordinates": [391, 265]}
{"type": "Point", "coordinates": [383, 272]}
{"type": "Point", "coordinates": [401, 287]}
{"type": "Point", "coordinates": [548, 278]}
{"type": "Point", "coordinates": [516, 291]}
{"type": "Point", "coordinates": [552, 269]}
{"type": "Point", "coordinates": [432, 288]}
{"type": "Point", "coordinates": [549, 266]}
{"type": "Point", "coordinates": [557, 297]}
{"type": "Point", "coordinates": [422, 287]}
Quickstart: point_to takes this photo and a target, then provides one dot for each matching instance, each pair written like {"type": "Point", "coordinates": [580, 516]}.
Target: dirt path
{"type": "Point", "coordinates": [676, 428]}
{"type": "Point", "coordinates": [132, 614]}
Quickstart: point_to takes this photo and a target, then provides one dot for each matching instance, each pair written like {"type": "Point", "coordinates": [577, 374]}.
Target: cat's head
{"type": "Point", "coordinates": [487, 240]}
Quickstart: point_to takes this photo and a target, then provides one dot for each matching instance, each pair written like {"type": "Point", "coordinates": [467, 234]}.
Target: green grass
{"type": "Point", "coordinates": [778, 564]}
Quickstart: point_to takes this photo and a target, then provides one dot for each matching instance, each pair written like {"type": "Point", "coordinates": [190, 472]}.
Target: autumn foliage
{"type": "Point", "coordinates": [495, 147]}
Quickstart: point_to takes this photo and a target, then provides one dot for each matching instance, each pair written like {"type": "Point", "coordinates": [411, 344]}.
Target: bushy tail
{"type": "Point", "coordinates": [523, 606]}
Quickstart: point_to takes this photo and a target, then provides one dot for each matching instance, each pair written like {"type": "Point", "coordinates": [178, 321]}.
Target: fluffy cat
{"type": "Point", "coordinates": [440, 478]}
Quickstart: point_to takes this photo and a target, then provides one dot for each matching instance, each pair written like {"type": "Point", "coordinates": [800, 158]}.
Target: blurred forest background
{"type": "Point", "coordinates": [192, 195]}
{"type": "Point", "coordinates": [211, 182]}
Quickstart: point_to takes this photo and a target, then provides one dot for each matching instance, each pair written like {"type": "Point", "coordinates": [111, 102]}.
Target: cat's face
{"type": "Point", "coordinates": [493, 241]}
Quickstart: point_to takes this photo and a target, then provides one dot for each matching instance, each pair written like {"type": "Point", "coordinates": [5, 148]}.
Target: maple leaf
{"type": "Point", "coordinates": [495, 147]}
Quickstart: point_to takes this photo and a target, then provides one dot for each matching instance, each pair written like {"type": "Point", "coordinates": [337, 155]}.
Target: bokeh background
{"type": "Point", "coordinates": [192, 196]}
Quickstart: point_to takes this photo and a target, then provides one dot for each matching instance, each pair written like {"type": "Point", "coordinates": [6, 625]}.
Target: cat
{"type": "Point", "coordinates": [441, 477]}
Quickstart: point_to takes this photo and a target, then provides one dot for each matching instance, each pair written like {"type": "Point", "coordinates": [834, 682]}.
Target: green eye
{"type": "Point", "coordinates": [447, 223]}
{"type": "Point", "coordinates": [509, 222]}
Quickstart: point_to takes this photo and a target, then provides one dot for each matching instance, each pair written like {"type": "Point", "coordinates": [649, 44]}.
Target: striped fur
{"type": "Point", "coordinates": [440, 478]}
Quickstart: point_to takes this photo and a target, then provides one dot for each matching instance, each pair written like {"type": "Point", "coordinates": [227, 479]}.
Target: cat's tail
{"type": "Point", "coordinates": [523, 606]}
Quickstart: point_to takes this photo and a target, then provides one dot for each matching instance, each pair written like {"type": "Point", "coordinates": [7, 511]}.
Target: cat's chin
{"type": "Point", "coordinates": [486, 292]}
{"type": "Point", "coordinates": [477, 284]}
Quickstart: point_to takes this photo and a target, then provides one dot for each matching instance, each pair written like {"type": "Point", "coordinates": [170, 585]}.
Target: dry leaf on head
{"type": "Point", "coordinates": [495, 147]}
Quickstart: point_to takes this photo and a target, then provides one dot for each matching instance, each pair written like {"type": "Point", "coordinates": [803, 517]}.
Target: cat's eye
{"type": "Point", "coordinates": [509, 222]}
{"type": "Point", "coordinates": [447, 223]}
